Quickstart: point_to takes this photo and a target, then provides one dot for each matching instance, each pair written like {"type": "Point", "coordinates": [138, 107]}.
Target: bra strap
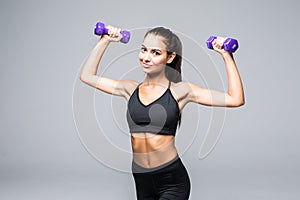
{"type": "Point", "coordinates": [139, 84]}
{"type": "Point", "coordinates": [169, 84]}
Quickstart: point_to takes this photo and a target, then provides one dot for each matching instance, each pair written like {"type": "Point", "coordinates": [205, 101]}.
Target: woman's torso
{"type": "Point", "coordinates": [152, 149]}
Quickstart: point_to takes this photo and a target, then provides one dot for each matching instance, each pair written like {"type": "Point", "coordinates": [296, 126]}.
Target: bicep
{"type": "Point", "coordinates": [110, 86]}
{"type": "Point", "coordinates": [209, 97]}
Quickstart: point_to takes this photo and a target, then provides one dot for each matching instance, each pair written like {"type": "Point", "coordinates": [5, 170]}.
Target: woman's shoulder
{"type": "Point", "coordinates": [182, 85]}
{"type": "Point", "coordinates": [129, 86]}
{"type": "Point", "coordinates": [180, 89]}
{"type": "Point", "coordinates": [130, 83]}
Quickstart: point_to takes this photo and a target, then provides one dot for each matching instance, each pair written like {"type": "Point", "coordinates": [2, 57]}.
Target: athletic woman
{"type": "Point", "coordinates": [155, 106]}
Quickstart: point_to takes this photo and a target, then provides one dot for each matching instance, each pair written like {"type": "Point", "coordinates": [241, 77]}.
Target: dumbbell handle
{"type": "Point", "coordinates": [100, 29]}
{"type": "Point", "coordinates": [230, 44]}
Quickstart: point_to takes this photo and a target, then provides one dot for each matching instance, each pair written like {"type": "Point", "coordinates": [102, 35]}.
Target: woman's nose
{"type": "Point", "coordinates": [147, 57]}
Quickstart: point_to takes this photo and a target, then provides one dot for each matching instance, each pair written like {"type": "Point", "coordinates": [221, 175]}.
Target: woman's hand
{"type": "Point", "coordinates": [114, 34]}
{"type": "Point", "coordinates": [218, 45]}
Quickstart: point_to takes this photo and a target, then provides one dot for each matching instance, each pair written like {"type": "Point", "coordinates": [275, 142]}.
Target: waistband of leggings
{"type": "Point", "coordinates": [139, 169]}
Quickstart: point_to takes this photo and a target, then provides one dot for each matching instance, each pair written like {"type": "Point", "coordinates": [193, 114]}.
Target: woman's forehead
{"type": "Point", "coordinates": [154, 42]}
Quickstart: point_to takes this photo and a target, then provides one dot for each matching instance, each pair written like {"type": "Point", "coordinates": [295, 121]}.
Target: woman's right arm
{"type": "Point", "coordinates": [89, 70]}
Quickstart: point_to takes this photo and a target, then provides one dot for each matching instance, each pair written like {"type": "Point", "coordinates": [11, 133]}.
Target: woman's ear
{"type": "Point", "coordinates": [171, 57]}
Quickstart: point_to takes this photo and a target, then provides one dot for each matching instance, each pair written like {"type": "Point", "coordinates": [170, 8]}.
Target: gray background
{"type": "Point", "coordinates": [43, 45]}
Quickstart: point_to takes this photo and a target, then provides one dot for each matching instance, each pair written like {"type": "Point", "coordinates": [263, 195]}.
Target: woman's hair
{"type": "Point", "coordinates": [173, 43]}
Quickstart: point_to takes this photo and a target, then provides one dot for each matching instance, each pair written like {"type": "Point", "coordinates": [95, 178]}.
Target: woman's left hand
{"type": "Point", "coordinates": [218, 45]}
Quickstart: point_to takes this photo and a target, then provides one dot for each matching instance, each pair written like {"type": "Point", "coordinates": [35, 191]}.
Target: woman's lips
{"type": "Point", "coordinates": [146, 65]}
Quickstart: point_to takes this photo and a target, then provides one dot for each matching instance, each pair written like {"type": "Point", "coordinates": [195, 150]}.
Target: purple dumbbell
{"type": "Point", "coordinates": [230, 44]}
{"type": "Point", "coordinates": [100, 30]}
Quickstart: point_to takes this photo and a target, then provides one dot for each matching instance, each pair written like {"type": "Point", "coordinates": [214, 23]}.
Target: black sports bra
{"type": "Point", "coordinates": [160, 117]}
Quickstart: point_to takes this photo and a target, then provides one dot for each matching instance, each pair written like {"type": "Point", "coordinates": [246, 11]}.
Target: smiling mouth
{"type": "Point", "coordinates": [145, 65]}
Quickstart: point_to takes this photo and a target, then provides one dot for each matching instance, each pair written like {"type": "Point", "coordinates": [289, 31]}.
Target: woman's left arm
{"type": "Point", "coordinates": [234, 97]}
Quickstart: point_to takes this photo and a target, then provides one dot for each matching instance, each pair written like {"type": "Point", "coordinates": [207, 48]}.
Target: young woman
{"type": "Point", "coordinates": [154, 108]}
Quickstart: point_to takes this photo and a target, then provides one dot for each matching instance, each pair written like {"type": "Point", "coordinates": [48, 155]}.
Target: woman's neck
{"type": "Point", "coordinates": [156, 80]}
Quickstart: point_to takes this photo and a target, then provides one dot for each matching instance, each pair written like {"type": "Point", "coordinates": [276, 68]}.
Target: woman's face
{"type": "Point", "coordinates": [153, 55]}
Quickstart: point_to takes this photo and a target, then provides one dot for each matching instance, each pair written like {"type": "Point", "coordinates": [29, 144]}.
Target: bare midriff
{"type": "Point", "coordinates": [152, 150]}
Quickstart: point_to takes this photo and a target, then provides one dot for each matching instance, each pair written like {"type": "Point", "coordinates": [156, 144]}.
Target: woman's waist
{"type": "Point", "coordinates": [144, 168]}
{"type": "Point", "coordinates": [149, 154]}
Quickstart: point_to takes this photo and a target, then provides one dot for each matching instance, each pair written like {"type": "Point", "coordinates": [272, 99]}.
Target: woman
{"type": "Point", "coordinates": [154, 108]}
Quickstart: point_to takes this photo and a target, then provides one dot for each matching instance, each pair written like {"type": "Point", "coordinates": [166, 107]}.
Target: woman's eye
{"type": "Point", "coordinates": [156, 53]}
{"type": "Point", "coordinates": [143, 49]}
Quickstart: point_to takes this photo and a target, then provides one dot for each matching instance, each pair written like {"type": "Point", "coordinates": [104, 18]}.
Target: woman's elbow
{"type": "Point", "coordinates": [83, 77]}
{"type": "Point", "coordinates": [236, 103]}
{"type": "Point", "coordinates": [240, 103]}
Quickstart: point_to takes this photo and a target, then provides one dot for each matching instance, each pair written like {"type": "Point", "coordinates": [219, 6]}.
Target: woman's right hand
{"type": "Point", "coordinates": [114, 34]}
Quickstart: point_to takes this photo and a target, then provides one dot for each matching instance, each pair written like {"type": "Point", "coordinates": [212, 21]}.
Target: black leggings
{"type": "Point", "coordinates": [167, 182]}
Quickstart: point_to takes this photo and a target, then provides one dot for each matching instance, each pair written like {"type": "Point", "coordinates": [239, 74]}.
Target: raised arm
{"type": "Point", "coordinates": [89, 70]}
{"type": "Point", "coordinates": [234, 96]}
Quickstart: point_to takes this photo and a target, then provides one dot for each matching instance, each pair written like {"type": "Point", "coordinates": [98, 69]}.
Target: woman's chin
{"type": "Point", "coordinates": [147, 69]}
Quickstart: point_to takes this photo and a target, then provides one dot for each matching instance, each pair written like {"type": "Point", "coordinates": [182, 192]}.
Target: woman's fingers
{"type": "Point", "coordinates": [218, 44]}
{"type": "Point", "coordinates": [114, 33]}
